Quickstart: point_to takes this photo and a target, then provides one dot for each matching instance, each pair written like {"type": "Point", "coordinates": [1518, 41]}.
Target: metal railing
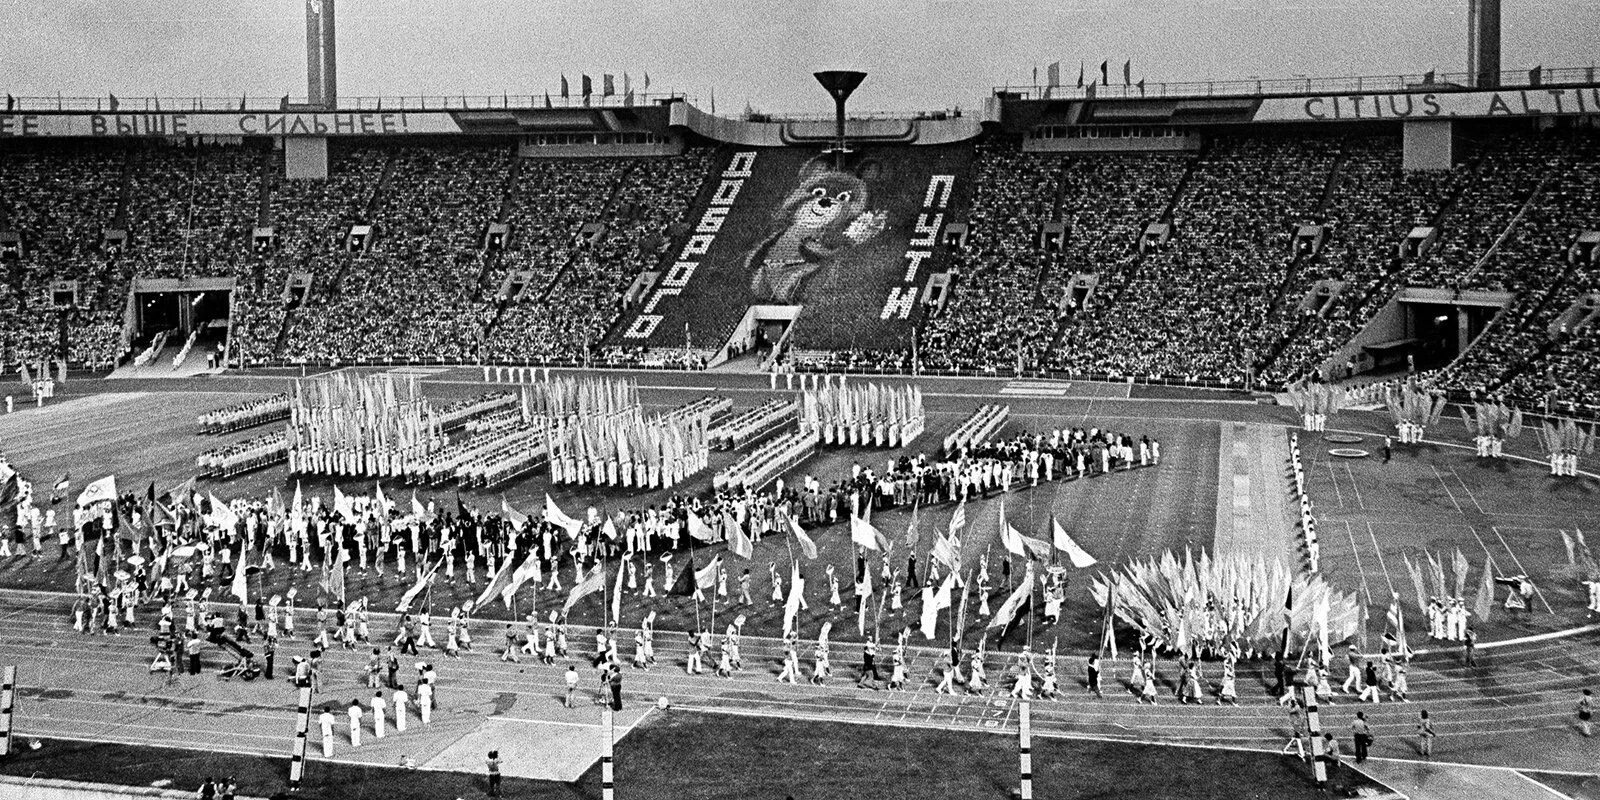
{"type": "Point", "coordinates": [141, 105]}
{"type": "Point", "coordinates": [1302, 85]}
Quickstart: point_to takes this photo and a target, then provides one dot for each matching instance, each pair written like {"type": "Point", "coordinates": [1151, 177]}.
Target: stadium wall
{"type": "Point", "coordinates": [750, 133]}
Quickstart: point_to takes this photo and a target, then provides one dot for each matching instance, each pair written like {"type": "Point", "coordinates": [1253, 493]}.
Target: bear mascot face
{"type": "Point", "coordinates": [827, 213]}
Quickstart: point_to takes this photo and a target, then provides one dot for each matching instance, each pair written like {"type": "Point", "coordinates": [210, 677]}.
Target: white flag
{"type": "Point", "coordinates": [862, 533]}
{"type": "Point", "coordinates": [934, 601]}
{"type": "Point", "coordinates": [1064, 543]}
{"type": "Point", "coordinates": [554, 516]}
{"type": "Point", "coordinates": [101, 491]}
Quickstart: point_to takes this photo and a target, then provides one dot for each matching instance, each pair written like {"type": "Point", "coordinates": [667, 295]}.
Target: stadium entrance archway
{"type": "Point", "coordinates": [1421, 328]}
{"type": "Point", "coordinates": [178, 327]}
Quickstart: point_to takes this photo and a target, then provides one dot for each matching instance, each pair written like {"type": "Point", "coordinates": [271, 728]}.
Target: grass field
{"type": "Point", "coordinates": [744, 758]}
{"type": "Point", "coordinates": [148, 436]}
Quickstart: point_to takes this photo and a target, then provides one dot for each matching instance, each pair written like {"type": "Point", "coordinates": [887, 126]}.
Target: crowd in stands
{"type": "Point", "coordinates": [1220, 302]}
{"type": "Point", "coordinates": [60, 200]}
{"type": "Point", "coordinates": [642, 205]}
{"type": "Point", "coordinates": [1197, 306]}
{"type": "Point", "coordinates": [1517, 355]}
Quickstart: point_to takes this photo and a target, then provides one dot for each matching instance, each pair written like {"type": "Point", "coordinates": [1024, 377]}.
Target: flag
{"type": "Point", "coordinates": [684, 585]}
{"type": "Point", "coordinates": [528, 570]}
{"type": "Point", "coordinates": [738, 542]}
{"type": "Point", "coordinates": [945, 551]}
{"type": "Point", "coordinates": [343, 505]}
{"type": "Point", "coordinates": [1020, 545]}
{"type": "Point", "coordinates": [336, 577]}
{"type": "Point", "coordinates": [1397, 625]}
{"type": "Point", "coordinates": [699, 529]}
{"type": "Point", "coordinates": [588, 86]}
{"type": "Point", "coordinates": [594, 582]}
{"type": "Point", "coordinates": [241, 585]}
{"type": "Point", "coordinates": [383, 502]}
{"type": "Point", "coordinates": [565, 92]}
{"type": "Point", "coordinates": [1064, 543]}
{"type": "Point", "coordinates": [791, 605]}
{"type": "Point", "coordinates": [1140, 84]}
{"type": "Point", "coordinates": [1012, 607]}
{"type": "Point", "coordinates": [1127, 72]}
{"type": "Point", "coordinates": [502, 579]}
{"type": "Point", "coordinates": [1080, 74]}
{"type": "Point", "coordinates": [554, 515]}
{"type": "Point", "coordinates": [298, 505]}
{"type": "Point", "coordinates": [1108, 636]}
{"type": "Point", "coordinates": [863, 592]}
{"type": "Point", "coordinates": [912, 534]}
{"type": "Point", "coordinates": [547, 103]}
{"type": "Point", "coordinates": [806, 545]}
{"type": "Point", "coordinates": [61, 487]}
{"type": "Point", "coordinates": [863, 534]}
{"type": "Point", "coordinates": [939, 602]}
{"type": "Point", "coordinates": [616, 597]}
{"type": "Point", "coordinates": [27, 377]}
{"type": "Point", "coordinates": [9, 488]}
{"type": "Point", "coordinates": [424, 577]}
{"type": "Point", "coordinates": [1053, 74]}
{"type": "Point", "coordinates": [512, 515]}
{"type": "Point", "coordinates": [958, 520]}
{"type": "Point", "coordinates": [608, 85]}
{"type": "Point", "coordinates": [1483, 604]}
{"type": "Point", "coordinates": [1089, 91]}
{"type": "Point", "coordinates": [222, 516]}
{"type": "Point", "coordinates": [101, 491]}
{"type": "Point", "coordinates": [647, 81]}
{"type": "Point", "coordinates": [1427, 77]}
{"type": "Point", "coordinates": [1104, 74]}
{"type": "Point", "coordinates": [418, 510]}
{"type": "Point", "coordinates": [114, 103]}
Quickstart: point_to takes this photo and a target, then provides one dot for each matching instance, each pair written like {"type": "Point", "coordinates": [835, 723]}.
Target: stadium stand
{"type": "Point", "coordinates": [426, 289]}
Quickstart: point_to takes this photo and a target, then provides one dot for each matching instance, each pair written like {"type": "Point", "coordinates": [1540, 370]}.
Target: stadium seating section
{"type": "Point", "coordinates": [1220, 303]}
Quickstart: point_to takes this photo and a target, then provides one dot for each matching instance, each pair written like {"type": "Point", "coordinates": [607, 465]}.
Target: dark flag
{"type": "Point", "coordinates": [1053, 74]}
{"type": "Point", "coordinates": [1127, 72]}
{"type": "Point", "coordinates": [283, 105]}
{"type": "Point", "coordinates": [1536, 76]}
{"type": "Point", "coordinates": [627, 99]}
{"type": "Point", "coordinates": [1036, 75]}
{"type": "Point", "coordinates": [1104, 75]}
{"type": "Point", "coordinates": [1140, 84]}
{"type": "Point", "coordinates": [114, 103]}
{"type": "Point", "coordinates": [241, 102]}
{"type": "Point", "coordinates": [1088, 91]}
{"type": "Point", "coordinates": [547, 103]}
{"type": "Point", "coordinates": [462, 510]}
{"type": "Point", "coordinates": [608, 85]}
{"type": "Point", "coordinates": [684, 585]}
{"type": "Point", "coordinates": [1427, 77]}
{"type": "Point", "coordinates": [564, 90]}
{"type": "Point", "coordinates": [647, 81]}
{"type": "Point", "coordinates": [11, 102]}
{"type": "Point", "coordinates": [588, 86]}
{"type": "Point", "coordinates": [1080, 74]}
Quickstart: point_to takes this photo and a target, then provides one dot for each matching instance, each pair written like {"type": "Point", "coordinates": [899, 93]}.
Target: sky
{"type": "Point", "coordinates": [919, 54]}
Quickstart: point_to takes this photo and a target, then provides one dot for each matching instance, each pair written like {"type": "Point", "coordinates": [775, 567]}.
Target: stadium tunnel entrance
{"type": "Point", "coordinates": [174, 323]}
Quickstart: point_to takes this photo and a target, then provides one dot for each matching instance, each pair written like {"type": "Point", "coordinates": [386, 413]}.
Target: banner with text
{"type": "Point", "coordinates": [355, 123]}
{"type": "Point", "coordinates": [1430, 105]}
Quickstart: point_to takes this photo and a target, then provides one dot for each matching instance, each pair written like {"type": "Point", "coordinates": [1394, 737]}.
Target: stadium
{"type": "Point", "coordinates": [1111, 438]}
